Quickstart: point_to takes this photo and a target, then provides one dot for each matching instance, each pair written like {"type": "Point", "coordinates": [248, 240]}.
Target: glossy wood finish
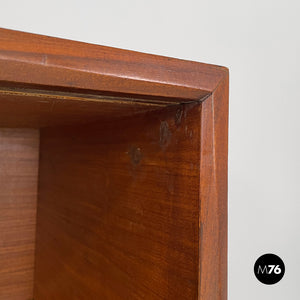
{"type": "Point", "coordinates": [133, 168]}
{"type": "Point", "coordinates": [18, 196]}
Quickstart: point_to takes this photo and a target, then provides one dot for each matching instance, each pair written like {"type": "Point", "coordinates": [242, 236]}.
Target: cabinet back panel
{"type": "Point", "coordinates": [118, 210]}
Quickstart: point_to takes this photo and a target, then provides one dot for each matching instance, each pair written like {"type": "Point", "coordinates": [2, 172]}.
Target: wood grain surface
{"type": "Point", "coordinates": [40, 60]}
{"type": "Point", "coordinates": [18, 196]}
{"type": "Point", "coordinates": [132, 200]}
{"type": "Point", "coordinates": [39, 108]}
{"type": "Point", "coordinates": [213, 195]}
{"type": "Point", "coordinates": [118, 208]}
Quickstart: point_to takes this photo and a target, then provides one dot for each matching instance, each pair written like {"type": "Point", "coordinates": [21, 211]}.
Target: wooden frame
{"type": "Point", "coordinates": [132, 184]}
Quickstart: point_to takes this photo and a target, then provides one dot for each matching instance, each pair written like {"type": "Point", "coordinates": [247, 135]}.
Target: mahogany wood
{"type": "Point", "coordinates": [18, 195]}
{"type": "Point", "coordinates": [24, 57]}
{"type": "Point", "coordinates": [213, 195]}
{"type": "Point", "coordinates": [132, 186]}
{"type": "Point", "coordinates": [37, 108]}
{"type": "Point", "coordinates": [118, 213]}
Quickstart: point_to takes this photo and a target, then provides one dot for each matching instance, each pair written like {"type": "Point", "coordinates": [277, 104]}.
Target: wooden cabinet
{"type": "Point", "coordinates": [113, 173]}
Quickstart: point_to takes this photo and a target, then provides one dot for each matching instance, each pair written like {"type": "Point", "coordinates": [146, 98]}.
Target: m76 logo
{"type": "Point", "coordinates": [269, 269]}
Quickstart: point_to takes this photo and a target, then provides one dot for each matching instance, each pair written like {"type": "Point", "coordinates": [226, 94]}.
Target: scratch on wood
{"type": "Point", "coordinates": [165, 134]}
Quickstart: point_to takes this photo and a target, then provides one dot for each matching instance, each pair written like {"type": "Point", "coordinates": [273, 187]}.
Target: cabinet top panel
{"type": "Point", "coordinates": [57, 64]}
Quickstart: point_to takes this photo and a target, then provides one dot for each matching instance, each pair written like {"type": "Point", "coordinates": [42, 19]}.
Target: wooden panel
{"type": "Point", "coordinates": [118, 211]}
{"type": "Point", "coordinates": [40, 108]}
{"type": "Point", "coordinates": [213, 195]}
{"type": "Point", "coordinates": [18, 193]}
{"type": "Point", "coordinates": [40, 60]}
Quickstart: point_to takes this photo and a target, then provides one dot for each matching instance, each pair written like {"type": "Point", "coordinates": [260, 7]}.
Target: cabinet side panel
{"type": "Point", "coordinates": [18, 193]}
{"type": "Point", "coordinates": [213, 195]}
{"type": "Point", "coordinates": [118, 209]}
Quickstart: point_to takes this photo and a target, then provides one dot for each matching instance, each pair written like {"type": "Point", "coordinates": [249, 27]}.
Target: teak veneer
{"type": "Point", "coordinates": [113, 173]}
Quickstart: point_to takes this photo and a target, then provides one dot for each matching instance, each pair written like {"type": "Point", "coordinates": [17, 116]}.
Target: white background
{"type": "Point", "coordinates": [259, 41]}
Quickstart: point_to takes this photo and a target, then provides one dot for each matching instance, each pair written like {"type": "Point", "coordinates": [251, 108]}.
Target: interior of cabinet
{"type": "Point", "coordinates": [97, 194]}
